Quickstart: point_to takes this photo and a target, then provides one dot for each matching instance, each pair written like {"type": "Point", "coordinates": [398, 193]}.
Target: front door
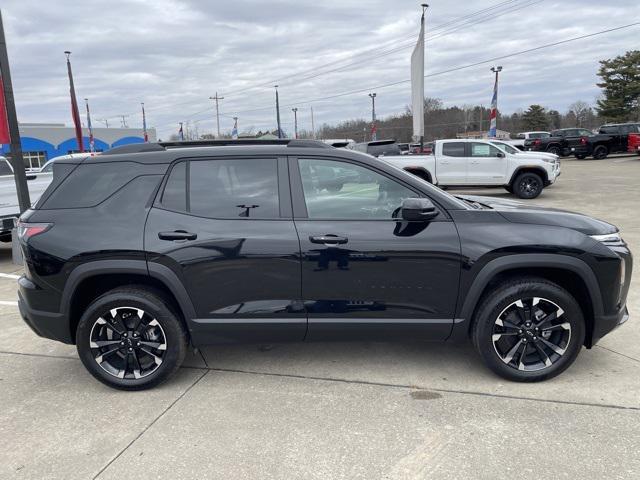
{"type": "Point", "coordinates": [487, 164]}
{"type": "Point", "coordinates": [366, 274]}
{"type": "Point", "coordinates": [224, 227]}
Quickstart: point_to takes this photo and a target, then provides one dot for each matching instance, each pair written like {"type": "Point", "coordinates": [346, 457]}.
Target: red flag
{"type": "Point", "coordinates": [4, 123]}
{"type": "Point", "coordinates": [75, 114]}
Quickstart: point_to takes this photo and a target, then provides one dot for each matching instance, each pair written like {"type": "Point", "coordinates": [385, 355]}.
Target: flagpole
{"type": "Point", "coordinates": [16, 161]}
{"type": "Point", "coordinates": [424, 9]}
{"type": "Point", "coordinates": [74, 106]}
{"type": "Point", "coordinates": [144, 124]}
{"type": "Point", "coordinates": [91, 141]}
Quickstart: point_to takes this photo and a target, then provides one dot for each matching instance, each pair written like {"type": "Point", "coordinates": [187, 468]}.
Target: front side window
{"type": "Point", "coordinates": [238, 188]}
{"type": "Point", "coordinates": [341, 190]}
{"type": "Point", "coordinates": [483, 150]}
{"type": "Point", "coordinates": [453, 149]}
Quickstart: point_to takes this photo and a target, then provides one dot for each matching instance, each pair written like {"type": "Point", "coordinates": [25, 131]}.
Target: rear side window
{"type": "Point", "coordinates": [90, 184]}
{"type": "Point", "coordinates": [224, 188]}
{"type": "Point", "coordinates": [453, 149]}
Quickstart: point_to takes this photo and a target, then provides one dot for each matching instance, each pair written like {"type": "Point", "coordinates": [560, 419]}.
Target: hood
{"type": "Point", "coordinates": [520, 212]}
{"type": "Point", "coordinates": [537, 155]}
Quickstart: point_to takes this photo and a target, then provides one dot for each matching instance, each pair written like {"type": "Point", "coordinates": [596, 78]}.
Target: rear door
{"type": "Point", "coordinates": [224, 227]}
{"type": "Point", "coordinates": [487, 164]}
{"type": "Point", "coordinates": [451, 163]}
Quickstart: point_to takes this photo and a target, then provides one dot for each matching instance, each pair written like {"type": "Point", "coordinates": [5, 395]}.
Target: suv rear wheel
{"type": "Point", "coordinates": [527, 185]}
{"type": "Point", "coordinates": [129, 338]}
{"type": "Point", "coordinates": [528, 330]}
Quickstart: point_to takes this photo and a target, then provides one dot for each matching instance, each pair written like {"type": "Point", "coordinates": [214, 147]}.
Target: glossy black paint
{"type": "Point", "coordinates": [292, 278]}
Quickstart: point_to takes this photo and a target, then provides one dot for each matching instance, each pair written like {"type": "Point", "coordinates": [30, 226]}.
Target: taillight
{"type": "Point", "coordinates": [537, 141]}
{"type": "Point", "coordinates": [28, 230]}
{"type": "Point", "coordinates": [583, 140]}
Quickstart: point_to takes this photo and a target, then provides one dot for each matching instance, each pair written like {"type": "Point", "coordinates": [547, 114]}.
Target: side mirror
{"type": "Point", "coordinates": [500, 155]}
{"type": "Point", "coordinates": [418, 209]}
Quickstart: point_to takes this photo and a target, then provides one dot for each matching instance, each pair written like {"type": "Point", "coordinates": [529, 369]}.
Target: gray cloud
{"type": "Point", "coordinates": [173, 55]}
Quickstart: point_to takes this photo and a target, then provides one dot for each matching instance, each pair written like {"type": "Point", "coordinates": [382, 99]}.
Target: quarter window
{"type": "Point", "coordinates": [341, 190]}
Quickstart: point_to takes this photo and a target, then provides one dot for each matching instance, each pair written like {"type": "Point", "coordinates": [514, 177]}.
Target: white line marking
{"type": "Point", "coordinates": [4, 302]}
{"type": "Point", "coordinates": [9, 275]}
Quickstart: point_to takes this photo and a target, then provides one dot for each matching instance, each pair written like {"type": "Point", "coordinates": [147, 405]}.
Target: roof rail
{"type": "Point", "coordinates": [160, 146]}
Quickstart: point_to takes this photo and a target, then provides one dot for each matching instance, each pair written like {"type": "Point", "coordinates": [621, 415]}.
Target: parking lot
{"type": "Point", "coordinates": [340, 410]}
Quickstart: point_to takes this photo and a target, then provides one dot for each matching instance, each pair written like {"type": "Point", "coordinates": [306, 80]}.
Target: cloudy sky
{"type": "Point", "coordinates": [174, 55]}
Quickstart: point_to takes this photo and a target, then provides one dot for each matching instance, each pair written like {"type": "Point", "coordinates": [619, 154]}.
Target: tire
{"type": "Point", "coordinates": [527, 185]}
{"type": "Point", "coordinates": [156, 338]}
{"type": "Point", "coordinates": [581, 156]}
{"type": "Point", "coordinates": [600, 152]}
{"type": "Point", "coordinates": [555, 150]}
{"type": "Point", "coordinates": [548, 351]}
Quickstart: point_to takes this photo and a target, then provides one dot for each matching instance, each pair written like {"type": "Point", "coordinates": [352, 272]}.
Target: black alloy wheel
{"type": "Point", "coordinates": [130, 338]}
{"type": "Point", "coordinates": [528, 185]}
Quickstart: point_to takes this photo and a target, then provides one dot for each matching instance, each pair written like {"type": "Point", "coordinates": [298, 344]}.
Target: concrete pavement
{"type": "Point", "coordinates": [355, 410]}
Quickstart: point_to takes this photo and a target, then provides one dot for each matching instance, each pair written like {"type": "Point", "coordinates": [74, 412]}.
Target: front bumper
{"type": "Point", "coordinates": [605, 324]}
{"type": "Point", "coordinates": [52, 325]}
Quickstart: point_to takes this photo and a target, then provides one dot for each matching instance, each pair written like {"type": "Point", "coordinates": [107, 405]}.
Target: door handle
{"type": "Point", "coordinates": [177, 235]}
{"type": "Point", "coordinates": [328, 239]}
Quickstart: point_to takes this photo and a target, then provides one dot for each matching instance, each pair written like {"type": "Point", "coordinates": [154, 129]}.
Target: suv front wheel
{"type": "Point", "coordinates": [528, 330]}
{"type": "Point", "coordinates": [129, 338]}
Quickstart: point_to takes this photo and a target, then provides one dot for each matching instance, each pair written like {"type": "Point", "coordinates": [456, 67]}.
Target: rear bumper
{"type": "Point", "coordinates": [605, 324]}
{"type": "Point", "coordinates": [51, 325]}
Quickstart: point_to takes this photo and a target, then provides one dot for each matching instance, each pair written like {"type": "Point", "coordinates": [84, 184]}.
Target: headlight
{"type": "Point", "coordinates": [609, 239]}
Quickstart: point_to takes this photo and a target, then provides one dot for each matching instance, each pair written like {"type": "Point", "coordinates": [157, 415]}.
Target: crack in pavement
{"type": "Point", "coordinates": [378, 384]}
{"type": "Point", "coordinates": [618, 353]}
{"type": "Point", "coordinates": [143, 431]}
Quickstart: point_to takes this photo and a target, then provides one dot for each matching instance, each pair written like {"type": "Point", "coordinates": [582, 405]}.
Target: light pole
{"type": "Point", "coordinates": [295, 122]}
{"type": "Point", "coordinates": [216, 98]}
{"type": "Point", "coordinates": [493, 116]}
{"type": "Point", "coordinates": [278, 111]}
{"type": "Point", "coordinates": [374, 133]}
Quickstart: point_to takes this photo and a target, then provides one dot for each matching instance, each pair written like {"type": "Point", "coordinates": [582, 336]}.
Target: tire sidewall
{"type": "Point", "coordinates": [496, 302]}
{"type": "Point", "coordinates": [600, 152]}
{"type": "Point", "coordinates": [174, 333]}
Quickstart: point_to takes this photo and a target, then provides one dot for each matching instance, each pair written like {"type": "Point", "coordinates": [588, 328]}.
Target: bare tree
{"type": "Point", "coordinates": [581, 110]}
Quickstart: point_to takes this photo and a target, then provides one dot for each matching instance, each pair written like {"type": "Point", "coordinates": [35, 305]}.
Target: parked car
{"type": "Point", "coordinates": [479, 163]}
{"type": "Point", "coordinates": [379, 147]}
{"type": "Point", "coordinates": [508, 148]}
{"type": "Point", "coordinates": [611, 138]}
{"type": "Point", "coordinates": [135, 257]}
{"type": "Point", "coordinates": [633, 143]}
{"type": "Point", "coordinates": [519, 139]}
{"type": "Point", "coordinates": [561, 142]}
{"type": "Point", "coordinates": [9, 207]}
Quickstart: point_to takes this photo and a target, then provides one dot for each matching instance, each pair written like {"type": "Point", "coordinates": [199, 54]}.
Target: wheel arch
{"type": "Point", "coordinates": [90, 280]}
{"type": "Point", "coordinates": [571, 273]}
{"type": "Point", "coordinates": [529, 169]}
{"type": "Point", "coordinates": [420, 172]}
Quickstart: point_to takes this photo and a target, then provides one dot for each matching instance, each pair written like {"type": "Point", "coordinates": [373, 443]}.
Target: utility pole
{"type": "Point", "coordinates": [216, 98]}
{"type": "Point", "coordinates": [124, 121]}
{"type": "Point", "coordinates": [12, 121]}
{"type": "Point", "coordinates": [295, 122]}
{"type": "Point", "coordinates": [374, 133]}
{"type": "Point", "coordinates": [278, 111]}
{"type": "Point", "coordinates": [493, 116]}
{"type": "Point", "coordinates": [313, 125]}
{"type": "Point", "coordinates": [104, 120]}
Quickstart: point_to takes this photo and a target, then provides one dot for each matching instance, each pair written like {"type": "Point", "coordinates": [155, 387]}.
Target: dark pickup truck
{"type": "Point", "coordinates": [562, 142]}
{"type": "Point", "coordinates": [611, 138]}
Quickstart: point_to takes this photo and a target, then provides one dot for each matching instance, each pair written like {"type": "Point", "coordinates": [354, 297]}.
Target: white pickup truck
{"type": "Point", "coordinates": [479, 163]}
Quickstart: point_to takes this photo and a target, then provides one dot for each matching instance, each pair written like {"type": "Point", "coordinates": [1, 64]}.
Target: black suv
{"type": "Point", "coordinates": [146, 250]}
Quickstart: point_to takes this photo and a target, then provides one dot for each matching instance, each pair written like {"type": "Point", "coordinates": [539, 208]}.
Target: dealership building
{"type": "Point", "coordinates": [44, 141]}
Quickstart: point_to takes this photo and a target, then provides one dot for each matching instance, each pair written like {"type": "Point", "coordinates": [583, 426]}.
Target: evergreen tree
{"type": "Point", "coordinates": [621, 87]}
{"type": "Point", "coordinates": [535, 118]}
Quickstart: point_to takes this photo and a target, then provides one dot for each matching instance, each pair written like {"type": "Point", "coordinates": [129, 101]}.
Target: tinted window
{"type": "Point", "coordinates": [539, 135]}
{"type": "Point", "coordinates": [234, 188]}
{"type": "Point", "coordinates": [5, 169]}
{"type": "Point", "coordinates": [584, 132]}
{"type": "Point", "coordinates": [483, 150]}
{"type": "Point", "coordinates": [609, 130]}
{"type": "Point", "coordinates": [453, 149]}
{"type": "Point", "coordinates": [341, 190]}
{"type": "Point", "coordinates": [90, 184]}
{"type": "Point", "coordinates": [175, 191]}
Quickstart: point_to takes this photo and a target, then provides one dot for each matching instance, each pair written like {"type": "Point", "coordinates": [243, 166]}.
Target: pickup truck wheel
{"type": "Point", "coordinates": [600, 152]}
{"type": "Point", "coordinates": [555, 150]}
{"type": "Point", "coordinates": [581, 156]}
{"type": "Point", "coordinates": [528, 330]}
{"type": "Point", "coordinates": [130, 339]}
{"type": "Point", "coordinates": [527, 185]}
